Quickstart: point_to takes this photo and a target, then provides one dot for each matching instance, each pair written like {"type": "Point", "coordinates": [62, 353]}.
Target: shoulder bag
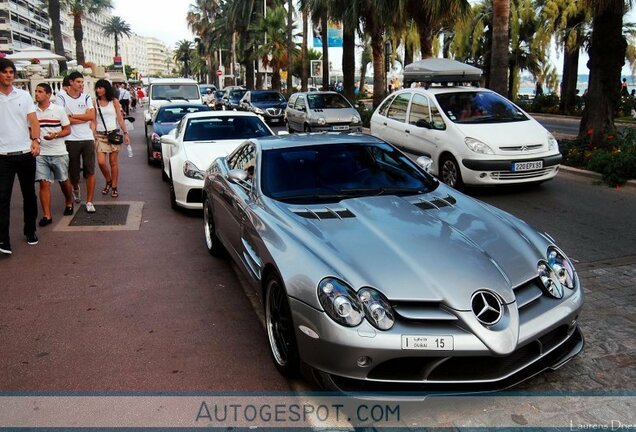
{"type": "Point", "coordinates": [114, 137]}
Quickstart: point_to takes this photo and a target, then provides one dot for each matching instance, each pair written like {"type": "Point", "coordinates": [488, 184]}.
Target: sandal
{"type": "Point", "coordinates": [114, 192]}
{"type": "Point", "coordinates": [106, 188]}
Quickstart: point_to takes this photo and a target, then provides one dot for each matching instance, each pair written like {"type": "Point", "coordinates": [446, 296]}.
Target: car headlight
{"type": "Point", "coordinates": [478, 146]}
{"type": "Point", "coordinates": [553, 144]}
{"type": "Point", "coordinates": [190, 170]}
{"type": "Point", "coordinates": [356, 120]}
{"type": "Point", "coordinates": [562, 267]}
{"type": "Point", "coordinates": [550, 280]}
{"type": "Point", "coordinates": [321, 121]}
{"type": "Point", "coordinates": [340, 302]}
{"type": "Point", "coordinates": [258, 111]}
{"type": "Point", "coordinates": [376, 308]}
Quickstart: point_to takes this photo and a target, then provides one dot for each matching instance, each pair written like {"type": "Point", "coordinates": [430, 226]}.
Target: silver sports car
{"type": "Point", "coordinates": [378, 277]}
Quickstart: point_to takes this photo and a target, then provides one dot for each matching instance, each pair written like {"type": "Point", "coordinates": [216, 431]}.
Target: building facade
{"type": "Point", "coordinates": [134, 53]}
{"type": "Point", "coordinates": [23, 23]}
{"type": "Point", "coordinates": [160, 60]}
{"type": "Point", "coordinates": [98, 48]}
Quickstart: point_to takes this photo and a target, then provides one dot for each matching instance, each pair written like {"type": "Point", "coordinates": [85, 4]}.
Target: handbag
{"type": "Point", "coordinates": [114, 137]}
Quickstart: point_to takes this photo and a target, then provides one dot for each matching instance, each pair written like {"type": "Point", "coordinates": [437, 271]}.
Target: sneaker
{"type": "Point", "coordinates": [45, 221]}
{"type": "Point", "coordinates": [77, 196]}
{"type": "Point", "coordinates": [5, 248]}
{"type": "Point", "coordinates": [68, 211]}
{"type": "Point", "coordinates": [90, 208]}
{"type": "Point", "coordinates": [32, 239]}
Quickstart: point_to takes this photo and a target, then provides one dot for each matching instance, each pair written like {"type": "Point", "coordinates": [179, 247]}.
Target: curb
{"type": "Point", "coordinates": [593, 175]}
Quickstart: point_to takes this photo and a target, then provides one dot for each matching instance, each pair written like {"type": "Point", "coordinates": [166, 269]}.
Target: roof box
{"type": "Point", "coordinates": [440, 70]}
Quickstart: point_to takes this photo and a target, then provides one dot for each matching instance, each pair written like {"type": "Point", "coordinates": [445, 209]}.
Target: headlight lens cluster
{"type": "Point", "coordinates": [258, 110]}
{"type": "Point", "coordinates": [478, 146]}
{"type": "Point", "coordinates": [347, 308]}
{"type": "Point", "coordinates": [190, 170]}
{"type": "Point", "coordinates": [553, 144]}
{"type": "Point", "coordinates": [356, 120]}
{"type": "Point", "coordinates": [556, 273]}
{"type": "Point", "coordinates": [321, 121]}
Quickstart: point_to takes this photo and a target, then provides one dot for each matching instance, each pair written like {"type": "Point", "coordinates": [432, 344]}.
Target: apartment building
{"type": "Point", "coordinates": [134, 52]}
{"type": "Point", "coordinates": [98, 48]}
{"type": "Point", "coordinates": [23, 23]}
{"type": "Point", "coordinates": [159, 57]}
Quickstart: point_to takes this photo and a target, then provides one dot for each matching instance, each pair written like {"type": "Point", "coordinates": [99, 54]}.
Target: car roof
{"type": "Point", "coordinates": [311, 139]}
{"type": "Point", "coordinates": [265, 91]}
{"type": "Point", "coordinates": [203, 114]}
{"type": "Point", "coordinates": [316, 92]}
{"type": "Point", "coordinates": [446, 89]}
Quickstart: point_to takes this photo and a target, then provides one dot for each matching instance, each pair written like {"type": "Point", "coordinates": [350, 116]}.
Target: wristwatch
{"type": "Point", "coordinates": [37, 139]}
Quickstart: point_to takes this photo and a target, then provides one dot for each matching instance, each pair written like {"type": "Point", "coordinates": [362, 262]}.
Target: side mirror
{"type": "Point", "coordinates": [237, 176]}
{"type": "Point", "coordinates": [421, 123]}
{"type": "Point", "coordinates": [168, 140]}
{"type": "Point", "coordinates": [425, 162]}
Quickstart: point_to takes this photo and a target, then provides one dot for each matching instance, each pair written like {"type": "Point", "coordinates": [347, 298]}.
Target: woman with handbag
{"type": "Point", "coordinates": [108, 135]}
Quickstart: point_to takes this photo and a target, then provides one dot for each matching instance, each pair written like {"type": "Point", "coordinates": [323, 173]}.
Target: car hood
{"type": "Point", "coordinates": [414, 253]}
{"type": "Point", "coordinates": [163, 128]}
{"type": "Point", "coordinates": [496, 135]}
{"type": "Point", "coordinates": [203, 153]}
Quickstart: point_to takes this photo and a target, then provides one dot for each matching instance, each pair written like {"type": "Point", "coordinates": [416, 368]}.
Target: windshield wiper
{"type": "Point", "coordinates": [380, 191]}
{"type": "Point", "coordinates": [180, 98]}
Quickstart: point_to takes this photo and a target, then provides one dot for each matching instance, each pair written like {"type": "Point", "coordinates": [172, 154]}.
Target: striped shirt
{"type": "Point", "coordinates": [52, 119]}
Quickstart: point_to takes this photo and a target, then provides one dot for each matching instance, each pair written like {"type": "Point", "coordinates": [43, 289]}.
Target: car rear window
{"type": "Point", "coordinates": [225, 128]}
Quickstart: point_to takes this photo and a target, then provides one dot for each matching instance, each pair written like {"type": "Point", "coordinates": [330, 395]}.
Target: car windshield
{"type": "Point", "coordinates": [225, 128]}
{"type": "Point", "coordinates": [175, 91]}
{"type": "Point", "coordinates": [267, 97]}
{"type": "Point", "coordinates": [174, 114]}
{"type": "Point", "coordinates": [218, 94]}
{"type": "Point", "coordinates": [479, 107]}
{"type": "Point", "coordinates": [333, 172]}
{"type": "Point", "coordinates": [237, 94]}
{"type": "Point", "coordinates": [327, 101]}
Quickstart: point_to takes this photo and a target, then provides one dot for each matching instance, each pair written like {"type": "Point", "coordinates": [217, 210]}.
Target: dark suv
{"type": "Point", "coordinates": [232, 98]}
{"type": "Point", "coordinates": [269, 104]}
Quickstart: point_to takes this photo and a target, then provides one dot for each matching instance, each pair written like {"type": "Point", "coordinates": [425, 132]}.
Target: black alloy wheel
{"type": "Point", "coordinates": [280, 328]}
{"type": "Point", "coordinates": [212, 242]}
{"type": "Point", "coordinates": [450, 172]}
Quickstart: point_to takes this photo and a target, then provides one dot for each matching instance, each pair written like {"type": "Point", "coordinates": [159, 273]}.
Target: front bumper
{"type": "Point", "coordinates": [336, 128]}
{"type": "Point", "coordinates": [499, 171]}
{"type": "Point", "coordinates": [188, 192]}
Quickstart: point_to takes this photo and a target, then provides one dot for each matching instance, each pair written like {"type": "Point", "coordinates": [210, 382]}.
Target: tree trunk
{"type": "Point", "coordinates": [276, 79]}
{"type": "Point", "coordinates": [567, 104]}
{"type": "Point", "coordinates": [116, 45]}
{"type": "Point", "coordinates": [290, 45]}
{"type": "Point", "coordinates": [304, 76]}
{"type": "Point", "coordinates": [349, 60]}
{"type": "Point", "coordinates": [607, 56]}
{"type": "Point", "coordinates": [408, 54]}
{"type": "Point", "coordinates": [248, 59]}
{"type": "Point", "coordinates": [56, 32]}
{"type": "Point", "coordinates": [377, 46]}
{"type": "Point", "coordinates": [78, 33]}
{"type": "Point", "coordinates": [513, 81]}
{"type": "Point", "coordinates": [363, 76]}
{"type": "Point", "coordinates": [499, 55]}
{"type": "Point", "coordinates": [426, 40]}
{"type": "Point", "coordinates": [324, 21]}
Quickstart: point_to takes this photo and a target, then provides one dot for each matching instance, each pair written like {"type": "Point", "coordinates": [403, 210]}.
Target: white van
{"type": "Point", "coordinates": [473, 135]}
{"type": "Point", "coordinates": [166, 90]}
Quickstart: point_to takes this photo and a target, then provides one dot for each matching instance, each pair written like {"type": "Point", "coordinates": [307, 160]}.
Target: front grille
{"type": "Point", "coordinates": [522, 148]}
{"type": "Point", "coordinates": [274, 111]}
{"type": "Point", "coordinates": [527, 294]}
{"type": "Point", "coordinates": [429, 312]}
{"type": "Point", "coordinates": [510, 175]}
{"type": "Point", "coordinates": [195, 196]}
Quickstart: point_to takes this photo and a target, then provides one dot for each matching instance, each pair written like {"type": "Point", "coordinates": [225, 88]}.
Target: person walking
{"type": "Point", "coordinates": [18, 150]}
{"type": "Point", "coordinates": [109, 116]}
{"type": "Point", "coordinates": [80, 143]}
{"type": "Point", "coordinates": [124, 99]}
{"type": "Point", "coordinates": [52, 163]}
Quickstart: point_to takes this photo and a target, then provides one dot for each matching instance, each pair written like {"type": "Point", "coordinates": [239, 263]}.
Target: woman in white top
{"type": "Point", "coordinates": [106, 120]}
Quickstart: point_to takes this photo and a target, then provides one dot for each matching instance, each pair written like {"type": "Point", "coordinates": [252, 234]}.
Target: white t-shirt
{"type": "Point", "coordinates": [110, 117]}
{"type": "Point", "coordinates": [124, 94]}
{"type": "Point", "coordinates": [52, 119]}
{"type": "Point", "coordinates": [78, 105]}
{"type": "Point", "coordinates": [14, 126]}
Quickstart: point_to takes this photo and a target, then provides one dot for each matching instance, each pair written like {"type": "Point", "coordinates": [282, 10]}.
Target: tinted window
{"type": "Point", "coordinates": [397, 110]}
{"type": "Point", "coordinates": [300, 104]}
{"type": "Point", "coordinates": [224, 128]}
{"type": "Point", "coordinates": [479, 107]}
{"type": "Point", "coordinates": [327, 101]}
{"type": "Point", "coordinates": [330, 173]}
{"type": "Point", "coordinates": [242, 158]}
{"type": "Point", "coordinates": [292, 100]}
{"type": "Point", "coordinates": [267, 97]}
{"type": "Point", "coordinates": [384, 108]}
{"type": "Point", "coordinates": [420, 110]}
{"type": "Point", "coordinates": [175, 91]}
{"type": "Point", "coordinates": [237, 94]}
{"type": "Point", "coordinates": [174, 114]}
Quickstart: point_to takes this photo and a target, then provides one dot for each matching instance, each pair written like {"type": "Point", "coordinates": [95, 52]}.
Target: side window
{"type": "Point", "coordinates": [438, 120]}
{"type": "Point", "coordinates": [245, 157]}
{"type": "Point", "coordinates": [384, 108]}
{"type": "Point", "coordinates": [397, 110]}
{"type": "Point", "coordinates": [233, 159]}
{"type": "Point", "coordinates": [420, 110]}
{"type": "Point", "coordinates": [292, 101]}
{"type": "Point", "coordinates": [300, 104]}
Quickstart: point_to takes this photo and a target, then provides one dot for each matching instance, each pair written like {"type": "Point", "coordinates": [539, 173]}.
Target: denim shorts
{"type": "Point", "coordinates": [51, 168]}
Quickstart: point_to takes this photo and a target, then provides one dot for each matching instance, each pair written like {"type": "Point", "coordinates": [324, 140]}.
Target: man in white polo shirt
{"type": "Point", "coordinates": [80, 143]}
{"type": "Point", "coordinates": [52, 163]}
{"type": "Point", "coordinates": [17, 154]}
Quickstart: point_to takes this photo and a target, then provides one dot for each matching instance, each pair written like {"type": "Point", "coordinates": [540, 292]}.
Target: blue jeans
{"type": "Point", "coordinates": [24, 166]}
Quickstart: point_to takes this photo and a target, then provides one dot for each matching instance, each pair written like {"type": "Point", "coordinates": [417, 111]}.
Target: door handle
{"type": "Point", "coordinates": [407, 131]}
{"type": "Point", "coordinates": [384, 123]}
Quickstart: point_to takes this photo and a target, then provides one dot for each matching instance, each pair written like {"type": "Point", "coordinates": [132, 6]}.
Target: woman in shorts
{"type": "Point", "coordinates": [109, 118]}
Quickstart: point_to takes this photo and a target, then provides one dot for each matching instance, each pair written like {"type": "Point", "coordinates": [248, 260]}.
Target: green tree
{"type": "Point", "coordinates": [201, 20]}
{"type": "Point", "coordinates": [183, 57]}
{"type": "Point", "coordinates": [54, 9]}
{"type": "Point", "coordinates": [273, 51]}
{"type": "Point", "coordinates": [78, 9]}
{"type": "Point", "coordinates": [117, 28]}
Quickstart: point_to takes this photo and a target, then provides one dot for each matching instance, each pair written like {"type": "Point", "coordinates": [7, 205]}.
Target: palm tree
{"type": "Point", "coordinates": [607, 56]}
{"type": "Point", "coordinates": [78, 9]}
{"type": "Point", "coordinates": [54, 8]}
{"type": "Point", "coordinates": [201, 19]}
{"type": "Point", "coordinates": [304, 60]}
{"type": "Point", "coordinates": [290, 44]}
{"type": "Point", "coordinates": [183, 55]}
{"type": "Point", "coordinates": [499, 51]}
{"type": "Point", "coordinates": [524, 53]}
{"type": "Point", "coordinates": [273, 51]}
{"type": "Point", "coordinates": [117, 27]}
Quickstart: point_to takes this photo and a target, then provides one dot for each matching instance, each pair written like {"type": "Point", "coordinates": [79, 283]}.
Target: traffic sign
{"type": "Point", "coordinates": [219, 72]}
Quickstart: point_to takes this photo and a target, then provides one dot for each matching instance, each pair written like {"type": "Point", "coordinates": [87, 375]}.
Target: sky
{"type": "Point", "coordinates": [165, 20]}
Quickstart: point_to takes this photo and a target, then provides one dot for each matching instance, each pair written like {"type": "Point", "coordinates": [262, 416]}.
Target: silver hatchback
{"type": "Point", "coordinates": [321, 111]}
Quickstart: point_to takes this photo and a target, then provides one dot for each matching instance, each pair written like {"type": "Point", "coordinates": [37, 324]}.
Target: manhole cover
{"type": "Point", "coordinates": [106, 215]}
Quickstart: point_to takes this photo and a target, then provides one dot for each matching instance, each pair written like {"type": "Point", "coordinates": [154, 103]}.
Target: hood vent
{"type": "Point", "coordinates": [436, 203]}
{"type": "Point", "coordinates": [324, 213]}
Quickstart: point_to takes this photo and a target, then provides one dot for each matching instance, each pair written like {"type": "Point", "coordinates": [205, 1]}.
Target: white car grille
{"type": "Point", "coordinates": [510, 175]}
{"type": "Point", "coordinates": [274, 111]}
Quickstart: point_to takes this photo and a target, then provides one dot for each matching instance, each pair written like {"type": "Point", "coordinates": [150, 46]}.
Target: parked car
{"type": "Point", "coordinates": [321, 111]}
{"type": "Point", "coordinates": [166, 90]}
{"type": "Point", "coordinates": [203, 88]}
{"type": "Point", "coordinates": [163, 121]}
{"type": "Point", "coordinates": [269, 104]}
{"type": "Point", "coordinates": [198, 139]}
{"type": "Point", "coordinates": [375, 274]}
{"type": "Point", "coordinates": [218, 100]}
{"type": "Point", "coordinates": [231, 99]}
{"type": "Point", "coordinates": [474, 135]}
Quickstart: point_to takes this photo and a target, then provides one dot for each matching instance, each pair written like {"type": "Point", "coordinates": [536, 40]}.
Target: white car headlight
{"type": "Point", "coordinates": [321, 121]}
{"type": "Point", "coordinates": [376, 308]}
{"type": "Point", "coordinates": [550, 280]}
{"type": "Point", "coordinates": [340, 302]}
{"type": "Point", "coordinates": [258, 111]}
{"type": "Point", "coordinates": [356, 120]}
{"type": "Point", "coordinates": [553, 144]}
{"type": "Point", "coordinates": [478, 146]}
{"type": "Point", "coordinates": [562, 267]}
{"type": "Point", "coordinates": [190, 170]}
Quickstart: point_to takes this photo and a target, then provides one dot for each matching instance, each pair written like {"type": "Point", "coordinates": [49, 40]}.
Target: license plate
{"type": "Point", "coordinates": [341, 128]}
{"type": "Point", "coordinates": [527, 166]}
{"type": "Point", "coordinates": [275, 120]}
{"type": "Point", "coordinates": [427, 343]}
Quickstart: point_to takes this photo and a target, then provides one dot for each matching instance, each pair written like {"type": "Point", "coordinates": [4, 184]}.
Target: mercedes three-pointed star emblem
{"type": "Point", "coordinates": [487, 307]}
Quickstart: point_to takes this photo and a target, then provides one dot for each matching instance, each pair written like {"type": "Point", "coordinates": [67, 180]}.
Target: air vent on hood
{"type": "Point", "coordinates": [324, 213]}
{"type": "Point", "coordinates": [423, 311]}
{"type": "Point", "coordinates": [436, 203]}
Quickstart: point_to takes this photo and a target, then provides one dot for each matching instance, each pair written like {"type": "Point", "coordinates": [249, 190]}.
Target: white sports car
{"type": "Point", "coordinates": [195, 142]}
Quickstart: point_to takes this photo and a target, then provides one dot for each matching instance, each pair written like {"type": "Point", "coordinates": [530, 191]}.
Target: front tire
{"type": "Point", "coordinates": [212, 242]}
{"type": "Point", "coordinates": [450, 172]}
{"type": "Point", "coordinates": [280, 328]}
